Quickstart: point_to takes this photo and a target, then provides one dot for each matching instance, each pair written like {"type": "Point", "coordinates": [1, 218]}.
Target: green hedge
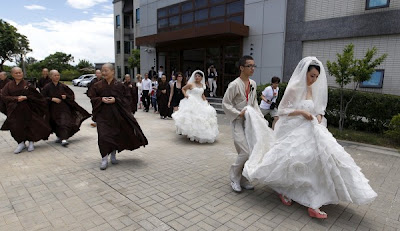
{"type": "Point", "coordinates": [367, 112]}
{"type": "Point", "coordinates": [68, 75]}
{"type": "Point", "coordinates": [394, 129]}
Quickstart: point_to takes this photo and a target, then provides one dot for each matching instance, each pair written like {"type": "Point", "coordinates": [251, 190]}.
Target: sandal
{"type": "Point", "coordinates": [286, 201]}
{"type": "Point", "coordinates": [317, 214]}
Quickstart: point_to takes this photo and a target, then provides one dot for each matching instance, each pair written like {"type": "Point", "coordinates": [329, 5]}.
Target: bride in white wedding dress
{"type": "Point", "coordinates": [196, 118]}
{"type": "Point", "coordinates": [302, 161]}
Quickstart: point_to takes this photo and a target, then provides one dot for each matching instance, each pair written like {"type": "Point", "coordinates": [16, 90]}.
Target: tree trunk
{"type": "Point", "coordinates": [341, 115]}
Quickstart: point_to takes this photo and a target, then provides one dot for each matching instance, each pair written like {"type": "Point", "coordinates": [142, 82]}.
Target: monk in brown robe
{"type": "Point", "coordinates": [116, 127]}
{"type": "Point", "coordinates": [163, 97]}
{"type": "Point", "coordinates": [27, 115]}
{"type": "Point", "coordinates": [99, 77]}
{"type": "Point", "coordinates": [3, 81]}
{"type": "Point", "coordinates": [131, 86]}
{"type": "Point", "coordinates": [44, 80]}
{"type": "Point", "coordinates": [66, 116]}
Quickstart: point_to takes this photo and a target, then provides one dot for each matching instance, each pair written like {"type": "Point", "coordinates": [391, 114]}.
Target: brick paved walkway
{"type": "Point", "coordinates": [172, 184]}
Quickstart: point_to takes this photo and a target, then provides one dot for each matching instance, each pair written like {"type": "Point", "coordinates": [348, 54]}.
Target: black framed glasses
{"type": "Point", "coordinates": [251, 66]}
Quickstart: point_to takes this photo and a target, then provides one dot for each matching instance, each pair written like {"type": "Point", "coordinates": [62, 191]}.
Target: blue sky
{"type": "Point", "coordinates": [83, 28]}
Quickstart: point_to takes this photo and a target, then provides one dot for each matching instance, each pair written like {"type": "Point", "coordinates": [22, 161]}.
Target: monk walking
{"type": "Point", "coordinates": [27, 115]}
{"type": "Point", "coordinates": [66, 116]}
{"type": "Point", "coordinates": [116, 127]}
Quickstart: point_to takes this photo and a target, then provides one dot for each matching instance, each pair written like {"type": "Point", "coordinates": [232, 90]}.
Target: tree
{"type": "Point", "coordinates": [59, 61]}
{"type": "Point", "coordinates": [134, 59]}
{"type": "Point", "coordinates": [12, 43]}
{"type": "Point", "coordinates": [347, 69]}
{"type": "Point", "coordinates": [85, 67]}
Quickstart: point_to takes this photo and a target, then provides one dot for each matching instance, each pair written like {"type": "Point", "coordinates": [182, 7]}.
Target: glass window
{"type": "Point", "coordinates": [238, 19]}
{"type": "Point", "coordinates": [213, 2]}
{"type": "Point", "coordinates": [232, 51]}
{"type": "Point", "coordinates": [127, 22]}
{"type": "Point", "coordinates": [162, 13]}
{"type": "Point", "coordinates": [235, 7]}
{"type": "Point", "coordinates": [118, 48]}
{"type": "Point", "coordinates": [373, 4]}
{"type": "Point", "coordinates": [138, 15]}
{"type": "Point", "coordinates": [174, 10]}
{"type": "Point", "coordinates": [219, 20]}
{"type": "Point", "coordinates": [117, 21]}
{"type": "Point", "coordinates": [217, 11]}
{"type": "Point", "coordinates": [187, 6]}
{"type": "Point", "coordinates": [200, 3]}
{"type": "Point", "coordinates": [173, 21]}
{"type": "Point", "coordinates": [163, 23]}
{"type": "Point", "coordinates": [201, 14]}
{"type": "Point", "coordinates": [231, 67]}
{"type": "Point", "coordinates": [118, 72]}
{"type": "Point", "coordinates": [127, 47]}
{"type": "Point", "coordinates": [376, 80]}
{"type": "Point", "coordinates": [127, 70]}
{"type": "Point", "coordinates": [186, 18]}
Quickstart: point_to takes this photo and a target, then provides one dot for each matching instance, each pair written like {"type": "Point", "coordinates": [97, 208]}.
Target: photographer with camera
{"type": "Point", "coordinates": [268, 102]}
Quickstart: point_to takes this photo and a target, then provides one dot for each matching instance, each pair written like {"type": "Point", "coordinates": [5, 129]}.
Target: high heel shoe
{"type": "Point", "coordinates": [317, 214]}
{"type": "Point", "coordinates": [286, 201]}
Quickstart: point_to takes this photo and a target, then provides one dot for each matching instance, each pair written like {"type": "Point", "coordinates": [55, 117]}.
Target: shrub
{"type": "Point", "coordinates": [394, 129]}
{"type": "Point", "coordinates": [68, 75]}
{"type": "Point", "coordinates": [368, 111]}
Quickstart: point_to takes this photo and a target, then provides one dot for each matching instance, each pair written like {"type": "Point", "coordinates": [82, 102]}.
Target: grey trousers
{"type": "Point", "coordinates": [242, 148]}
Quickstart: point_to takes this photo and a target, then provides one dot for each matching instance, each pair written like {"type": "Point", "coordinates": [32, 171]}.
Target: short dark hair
{"type": "Point", "coordinates": [242, 61]}
{"type": "Point", "coordinates": [314, 66]}
{"type": "Point", "coordinates": [161, 67]}
{"type": "Point", "coordinates": [275, 79]}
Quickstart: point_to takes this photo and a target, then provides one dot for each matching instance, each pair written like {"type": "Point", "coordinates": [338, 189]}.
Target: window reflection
{"type": "Point", "coordinates": [235, 7]}
{"type": "Point", "coordinates": [217, 11]}
{"type": "Point", "coordinates": [201, 14]}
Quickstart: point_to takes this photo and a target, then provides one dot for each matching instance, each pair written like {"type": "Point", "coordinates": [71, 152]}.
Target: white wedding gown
{"type": "Point", "coordinates": [196, 118]}
{"type": "Point", "coordinates": [305, 162]}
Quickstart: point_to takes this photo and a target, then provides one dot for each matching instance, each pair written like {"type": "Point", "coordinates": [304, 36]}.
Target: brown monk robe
{"type": "Point", "coordinates": [66, 116]}
{"type": "Point", "coordinates": [99, 77]}
{"type": "Point", "coordinates": [27, 115]}
{"type": "Point", "coordinates": [44, 80]}
{"type": "Point", "coordinates": [3, 81]}
{"type": "Point", "coordinates": [131, 86]}
{"type": "Point", "coordinates": [163, 97]}
{"type": "Point", "coordinates": [116, 127]}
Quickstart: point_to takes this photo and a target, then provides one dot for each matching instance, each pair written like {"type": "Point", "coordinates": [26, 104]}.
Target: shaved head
{"type": "Point", "coordinates": [14, 69]}
{"type": "Point", "coordinates": [3, 75]}
{"type": "Point", "coordinates": [52, 72]}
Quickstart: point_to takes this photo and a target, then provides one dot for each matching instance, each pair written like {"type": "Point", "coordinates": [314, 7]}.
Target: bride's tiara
{"type": "Point", "coordinates": [314, 62]}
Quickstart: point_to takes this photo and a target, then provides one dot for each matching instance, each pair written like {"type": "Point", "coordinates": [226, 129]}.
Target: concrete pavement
{"type": "Point", "coordinates": [171, 184]}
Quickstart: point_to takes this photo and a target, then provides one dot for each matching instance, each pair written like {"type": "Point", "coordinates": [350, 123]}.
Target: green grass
{"type": "Point", "coordinates": [364, 137]}
{"type": "Point", "coordinates": [66, 82]}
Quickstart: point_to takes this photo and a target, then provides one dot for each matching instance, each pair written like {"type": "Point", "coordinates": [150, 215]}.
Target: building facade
{"type": "Point", "coordinates": [184, 35]}
{"type": "Point", "coordinates": [322, 28]}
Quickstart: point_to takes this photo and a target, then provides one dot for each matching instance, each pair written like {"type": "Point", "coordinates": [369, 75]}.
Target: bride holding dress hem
{"type": "Point", "coordinates": [301, 160]}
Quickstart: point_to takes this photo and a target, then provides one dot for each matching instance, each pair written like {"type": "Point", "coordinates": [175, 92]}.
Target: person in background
{"type": "Point", "coordinates": [44, 80]}
{"type": "Point", "coordinates": [139, 90]}
{"type": "Point", "coordinates": [154, 86]}
{"type": "Point", "coordinates": [3, 81]}
{"type": "Point", "coordinates": [152, 73]}
{"type": "Point", "coordinates": [146, 88]}
{"type": "Point", "coordinates": [212, 80]}
{"type": "Point", "coordinates": [162, 97]}
{"type": "Point", "coordinates": [268, 100]}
